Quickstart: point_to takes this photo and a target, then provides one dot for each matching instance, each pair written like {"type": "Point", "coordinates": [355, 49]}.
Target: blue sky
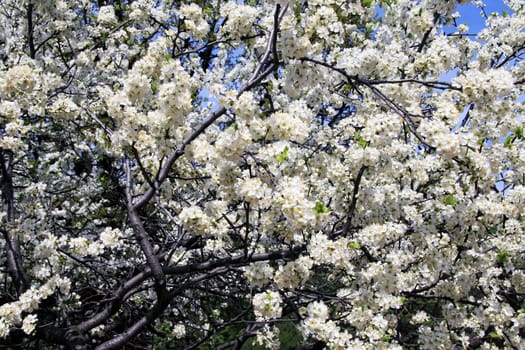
{"type": "Point", "coordinates": [471, 14]}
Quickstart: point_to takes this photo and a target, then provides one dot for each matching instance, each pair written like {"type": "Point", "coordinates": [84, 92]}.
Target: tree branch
{"type": "Point", "coordinates": [240, 260]}
{"type": "Point", "coordinates": [14, 257]}
{"type": "Point", "coordinates": [252, 82]}
{"type": "Point", "coordinates": [353, 203]}
{"type": "Point", "coordinates": [142, 238]}
{"type": "Point", "coordinates": [162, 302]}
{"type": "Point", "coordinates": [398, 109]}
{"type": "Point", "coordinates": [30, 32]}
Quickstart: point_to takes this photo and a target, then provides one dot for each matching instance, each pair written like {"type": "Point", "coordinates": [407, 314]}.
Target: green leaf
{"type": "Point", "coordinates": [283, 155]}
{"type": "Point", "coordinates": [353, 245]}
{"type": "Point", "coordinates": [494, 335]}
{"type": "Point", "coordinates": [360, 140]}
{"type": "Point", "coordinates": [347, 88]}
{"type": "Point", "coordinates": [503, 257]}
{"type": "Point", "coordinates": [297, 10]}
{"type": "Point", "coordinates": [320, 208]}
{"type": "Point", "coordinates": [450, 200]}
{"type": "Point", "coordinates": [387, 2]}
{"type": "Point", "coordinates": [252, 2]}
{"type": "Point", "coordinates": [154, 87]}
{"type": "Point", "coordinates": [508, 141]}
{"type": "Point", "coordinates": [208, 9]}
{"type": "Point", "coordinates": [519, 132]}
{"type": "Point", "coordinates": [367, 3]}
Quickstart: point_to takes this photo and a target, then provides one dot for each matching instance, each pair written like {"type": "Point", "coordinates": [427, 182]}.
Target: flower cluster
{"type": "Point", "coordinates": [11, 313]}
{"type": "Point", "coordinates": [353, 171]}
{"type": "Point", "coordinates": [259, 273]}
{"type": "Point", "coordinates": [294, 273]}
{"type": "Point", "coordinates": [267, 305]}
{"type": "Point", "coordinates": [194, 20]}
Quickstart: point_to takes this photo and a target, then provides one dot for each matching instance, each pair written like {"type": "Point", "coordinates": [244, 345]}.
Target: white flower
{"type": "Point", "coordinates": [267, 305]}
{"type": "Point", "coordinates": [64, 285]}
{"type": "Point", "coordinates": [110, 237]}
{"type": "Point", "coordinates": [4, 328]}
{"type": "Point", "coordinates": [268, 337]}
{"type": "Point", "coordinates": [137, 86]}
{"type": "Point", "coordinates": [106, 15]}
{"type": "Point", "coordinates": [194, 219]}
{"type": "Point", "coordinates": [95, 249]}
{"type": "Point", "coordinates": [240, 18]}
{"type": "Point", "coordinates": [286, 126]}
{"type": "Point", "coordinates": [29, 301]}
{"type": "Point", "coordinates": [481, 86]}
{"type": "Point", "coordinates": [194, 20]}
{"type": "Point", "coordinates": [65, 108]}
{"type": "Point", "coordinates": [19, 79]}
{"type": "Point", "coordinates": [253, 190]}
{"type": "Point", "coordinates": [29, 323]}
{"type": "Point", "coordinates": [46, 248]}
{"type": "Point", "coordinates": [258, 273]}
{"type": "Point", "coordinates": [294, 273]}
{"type": "Point", "coordinates": [178, 331]}
{"type": "Point", "coordinates": [246, 107]}
{"type": "Point", "coordinates": [318, 310]}
{"type": "Point", "coordinates": [9, 109]}
{"type": "Point", "coordinates": [420, 317]}
{"type": "Point", "coordinates": [79, 245]}
{"type": "Point", "coordinates": [98, 330]}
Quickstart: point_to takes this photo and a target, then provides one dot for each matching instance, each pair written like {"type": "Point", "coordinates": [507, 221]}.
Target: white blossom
{"type": "Point", "coordinates": [267, 305]}
{"type": "Point", "coordinates": [29, 323]}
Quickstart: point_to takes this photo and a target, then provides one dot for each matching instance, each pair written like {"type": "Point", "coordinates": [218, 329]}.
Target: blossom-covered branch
{"type": "Point", "coordinates": [277, 174]}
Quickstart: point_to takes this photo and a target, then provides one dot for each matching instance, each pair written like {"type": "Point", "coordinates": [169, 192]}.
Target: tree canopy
{"type": "Point", "coordinates": [261, 174]}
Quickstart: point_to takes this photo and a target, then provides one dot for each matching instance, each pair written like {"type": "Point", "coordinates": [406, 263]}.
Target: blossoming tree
{"type": "Point", "coordinates": [217, 174]}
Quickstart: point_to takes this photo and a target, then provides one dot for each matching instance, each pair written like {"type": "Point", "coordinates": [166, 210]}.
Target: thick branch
{"type": "Point", "coordinates": [142, 237]}
{"type": "Point", "coordinates": [353, 203]}
{"type": "Point", "coordinates": [30, 38]}
{"type": "Point", "coordinates": [235, 261]}
{"type": "Point", "coordinates": [131, 332]}
{"type": "Point", "coordinates": [13, 243]}
{"type": "Point", "coordinates": [114, 302]}
{"type": "Point", "coordinates": [147, 249]}
{"type": "Point", "coordinates": [163, 301]}
{"type": "Point", "coordinates": [164, 171]}
{"type": "Point", "coordinates": [271, 45]}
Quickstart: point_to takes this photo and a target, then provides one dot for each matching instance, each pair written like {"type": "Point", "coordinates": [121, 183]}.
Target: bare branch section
{"type": "Point", "coordinates": [353, 201]}
{"type": "Point", "coordinates": [211, 269]}
{"type": "Point", "coordinates": [14, 257]}
{"type": "Point", "coordinates": [30, 29]}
